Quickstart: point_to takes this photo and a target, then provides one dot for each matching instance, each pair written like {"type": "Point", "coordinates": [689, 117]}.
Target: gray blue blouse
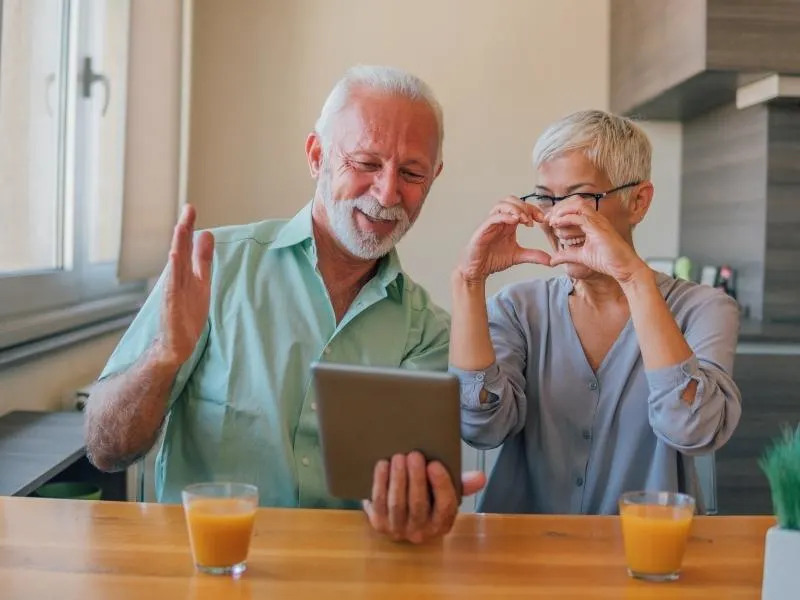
{"type": "Point", "coordinates": [574, 439]}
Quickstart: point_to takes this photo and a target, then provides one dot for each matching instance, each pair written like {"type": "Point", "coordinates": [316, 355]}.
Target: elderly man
{"type": "Point", "coordinates": [223, 345]}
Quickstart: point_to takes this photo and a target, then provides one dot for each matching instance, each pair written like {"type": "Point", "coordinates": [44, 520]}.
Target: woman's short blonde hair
{"type": "Point", "coordinates": [615, 145]}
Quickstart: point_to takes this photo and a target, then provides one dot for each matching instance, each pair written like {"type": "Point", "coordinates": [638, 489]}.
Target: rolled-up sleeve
{"type": "Point", "coordinates": [707, 422]}
{"type": "Point", "coordinates": [487, 424]}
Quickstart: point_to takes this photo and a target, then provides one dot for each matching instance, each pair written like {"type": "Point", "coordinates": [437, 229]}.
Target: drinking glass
{"type": "Point", "coordinates": [220, 519]}
{"type": "Point", "coordinates": [655, 529]}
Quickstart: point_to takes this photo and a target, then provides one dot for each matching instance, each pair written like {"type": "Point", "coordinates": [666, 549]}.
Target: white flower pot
{"type": "Point", "coordinates": [781, 565]}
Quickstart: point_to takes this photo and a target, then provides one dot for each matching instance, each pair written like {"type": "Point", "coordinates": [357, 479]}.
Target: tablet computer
{"type": "Point", "coordinates": [371, 413]}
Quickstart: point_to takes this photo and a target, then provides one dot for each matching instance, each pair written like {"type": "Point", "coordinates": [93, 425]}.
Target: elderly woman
{"type": "Point", "coordinates": [609, 378]}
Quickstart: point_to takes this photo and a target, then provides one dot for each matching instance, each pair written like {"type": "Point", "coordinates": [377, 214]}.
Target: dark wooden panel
{"type": "Point", "coordinates": [691, 98]}
{"type": "Point", "coordinates": [744, 35]}
{"type": "Point", "coordinates": [35, 446]}
{"type": "Point", "coordinates": [654, 47]}
{"type": "Point", "coordinates": [769, 385]}
{"type": "Point", "coordinates": [723, 196]}
{"type": "Point", "coordinates": [751, 331]}
{"type": "Point", "coordinates": [114, 486]}
{"type": "Point", "coordinates": [41, 447]}
{"type": "Point", "coordinates": [678, 59]}
{"type": "Point", "coordinates": [782, 265]}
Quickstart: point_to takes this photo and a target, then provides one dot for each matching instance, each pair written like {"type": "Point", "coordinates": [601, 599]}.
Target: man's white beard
{"type": "Point", "coordinates": [341, 216]}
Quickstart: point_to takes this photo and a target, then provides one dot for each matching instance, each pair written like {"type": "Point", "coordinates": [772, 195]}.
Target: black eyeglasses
{"type": "Point", "coordinates": [544, 202]}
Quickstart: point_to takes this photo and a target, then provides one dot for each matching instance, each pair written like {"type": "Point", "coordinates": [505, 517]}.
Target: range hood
{"type": "Point", "coordinates": [778, 89]}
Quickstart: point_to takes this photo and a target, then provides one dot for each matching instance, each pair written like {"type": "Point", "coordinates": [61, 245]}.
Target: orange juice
{"type": "Point", "coordinates": [220, 530]}
{"type": "Point", "coordinates": [655, 537]}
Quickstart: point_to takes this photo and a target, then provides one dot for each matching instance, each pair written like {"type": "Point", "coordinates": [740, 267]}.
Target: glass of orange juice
{"type": "Point", "coordinates": [655, 529]}
{"type": "Point", "coordinates": [220, 519]}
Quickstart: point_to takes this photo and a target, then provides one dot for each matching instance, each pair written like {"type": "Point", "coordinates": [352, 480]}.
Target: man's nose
{"type": "Point", "coordinates": [386, 187]}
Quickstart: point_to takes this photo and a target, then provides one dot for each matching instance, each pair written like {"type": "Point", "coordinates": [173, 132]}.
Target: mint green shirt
{"type": "Point", "coordinates": [242, 407]}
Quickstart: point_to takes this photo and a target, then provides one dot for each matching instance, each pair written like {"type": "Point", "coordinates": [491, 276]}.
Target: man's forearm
{"type": "Point", "coordinates": [124, 413]}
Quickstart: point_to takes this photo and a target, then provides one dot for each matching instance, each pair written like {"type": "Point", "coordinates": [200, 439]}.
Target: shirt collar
{"type": "Point", "coordinates": [390, 274]}
{"type": "Point", "coordinates": [299, 230]}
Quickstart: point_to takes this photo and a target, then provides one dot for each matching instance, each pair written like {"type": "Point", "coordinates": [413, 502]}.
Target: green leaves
{"type": "Point", "coordinates": [781, 465]}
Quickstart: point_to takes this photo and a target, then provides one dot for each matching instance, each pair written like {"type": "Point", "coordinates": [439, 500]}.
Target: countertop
{"type": "Point", "coordinates": [764, 332]}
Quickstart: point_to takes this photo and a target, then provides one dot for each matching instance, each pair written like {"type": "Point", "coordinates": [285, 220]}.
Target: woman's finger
{"type": "Point", "coordinates": [522, 218]}
{"type": "Point", "coordinates": [507, 209]}
{"type": "Point", "coordinates": [567, 255]}
{"type": "Point", "coordinates": [573, 206]}
{"type": "Point", "coordinates": [531, 211]}
{"type": "Point", "coordinates": [568, 220]}
{"type": "Point", "coordinates": [499, 220]}
{"type": "Point", "coordinates": [532, 255]}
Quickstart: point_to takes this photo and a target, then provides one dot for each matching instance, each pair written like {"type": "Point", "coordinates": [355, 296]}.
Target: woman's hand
{"type": "Point", "coordinates": [604, 250]}
{"type": "Point", "coordinates": [493, 247]}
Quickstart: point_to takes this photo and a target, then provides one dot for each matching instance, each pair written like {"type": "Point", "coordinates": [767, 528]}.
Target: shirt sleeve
{"type": "Point", "coordinates": [139, 337]}
{"type": "Point", "coordinates": [487, 424]}
{"type": "Point", "coordinates": [703, 426]}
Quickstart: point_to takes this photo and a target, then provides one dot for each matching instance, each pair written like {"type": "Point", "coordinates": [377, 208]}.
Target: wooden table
{"type": "Point", "coordinates": [102, 550]}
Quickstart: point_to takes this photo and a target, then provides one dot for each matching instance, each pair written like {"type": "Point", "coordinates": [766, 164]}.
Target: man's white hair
{"type": "Point", "coordinates": [390, 80]}
{"type": "Point", "coordinates": [615, 145]}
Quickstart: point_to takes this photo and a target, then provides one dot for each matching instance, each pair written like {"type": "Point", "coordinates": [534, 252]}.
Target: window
{"type": "Point", "coordinates": [63, 74]}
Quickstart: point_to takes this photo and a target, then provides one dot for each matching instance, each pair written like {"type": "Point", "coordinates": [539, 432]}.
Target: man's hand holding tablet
{"type": "Point", "coordinates": [414, 501]}
{"type": "Point", "coordinates": [393, 438]}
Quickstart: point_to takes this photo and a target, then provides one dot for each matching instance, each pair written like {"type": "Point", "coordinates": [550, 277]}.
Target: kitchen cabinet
{"type": "Point", "coordinates": [677, 59]}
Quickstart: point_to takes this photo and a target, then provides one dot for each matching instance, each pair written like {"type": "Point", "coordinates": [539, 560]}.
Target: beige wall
{"type": "Point", "coordinates": [262, 69]}
{"type": "Point", "coordinates": [501, 69]}
{"type": "Point", "coordinates": [41, 384]}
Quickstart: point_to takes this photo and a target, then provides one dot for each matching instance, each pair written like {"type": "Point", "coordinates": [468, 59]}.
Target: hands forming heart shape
{"type": "Point", "coordinates": [494, 247]}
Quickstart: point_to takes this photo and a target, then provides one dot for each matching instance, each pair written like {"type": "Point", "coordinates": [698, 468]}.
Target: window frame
{"type": "Point", "coordinates": [38, 306]}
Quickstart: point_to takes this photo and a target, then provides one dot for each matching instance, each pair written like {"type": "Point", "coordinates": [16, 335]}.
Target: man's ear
{"type": "Point", "coordinates": [639, 202]}
{"type": "Point", "coordinates": [314, 154]}
{"type": "Point", "coordinates": [438, 170]}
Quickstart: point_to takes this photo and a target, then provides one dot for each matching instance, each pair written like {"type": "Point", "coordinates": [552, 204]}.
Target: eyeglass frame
{"type": "Point", "coordinates": [597, 197]}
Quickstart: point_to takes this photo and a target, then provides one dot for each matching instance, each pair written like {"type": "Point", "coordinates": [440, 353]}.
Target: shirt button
{"type": "Point", "coordinates": [328, 350]}
{"type": "Point", "coordinates": [479, 376]}
{"type": "Point", "coordinates": [305, 461]}
{"type": "Point", "coordinates": [587, 435]}
{"type": "Point", "coordinates": [313, 406]}
{"type": "Point", "coordinates": [593, 385]}
{"type": "Point", "coordinates": [579, 481]}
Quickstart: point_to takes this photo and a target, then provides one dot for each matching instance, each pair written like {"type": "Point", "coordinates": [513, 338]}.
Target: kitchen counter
{"type": "Point", "coordinates": [752, 331]}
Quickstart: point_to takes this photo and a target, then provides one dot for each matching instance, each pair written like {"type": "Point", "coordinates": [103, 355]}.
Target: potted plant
{"type": "Point", "coordinates": [781, 465]}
